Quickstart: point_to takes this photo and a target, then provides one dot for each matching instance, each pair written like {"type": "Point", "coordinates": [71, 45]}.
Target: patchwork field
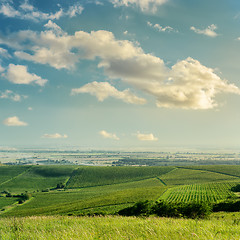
{"type": "Point", "coordinates": [105, 190]}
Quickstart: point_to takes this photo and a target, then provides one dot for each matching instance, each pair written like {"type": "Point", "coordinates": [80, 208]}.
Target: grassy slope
{"type": "Point", "coordinates": [9, 172]}
{"type": "Point", "coordinates": [232, 170]}
{"type": "Point", "coordinates": [97, 176]}
{"type": "Point", "coordinates": [38, 178]}
{"type": "Point", "coordinates": [108, 188]}
{"type": "Point", "coordinates": [109, 198]}
{"type": "Point", "coordinates": [88, 228]}
{"type": "Point", "coordinates": [182, 176]}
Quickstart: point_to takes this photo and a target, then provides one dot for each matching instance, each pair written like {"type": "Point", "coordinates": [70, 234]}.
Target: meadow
{"type": "Point", "coordinates": [219, 227]}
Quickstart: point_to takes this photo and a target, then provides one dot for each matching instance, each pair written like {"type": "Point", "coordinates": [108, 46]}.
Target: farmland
{"type": "Point", "coordinates": [89, 190]}
{"type": "Point", "coordinates": [70, 201]}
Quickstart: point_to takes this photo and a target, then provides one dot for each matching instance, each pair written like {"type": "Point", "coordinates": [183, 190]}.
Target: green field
{"type": "Point", "coordinates": [206, 192]}
{"type": "Point", "coordinates": [97, 176]}
{"type": "Point", "coordinates": [89, 228]}
{"type": "Point", "coordinates": [98, 190]}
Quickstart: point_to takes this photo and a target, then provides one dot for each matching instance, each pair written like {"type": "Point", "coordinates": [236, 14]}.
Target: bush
{"type": "Point", "coordinates": [166, 209]}
{"type": "Point", "coordinates": [60, 186]}
{"type": "Point", "coordinates": [138, 209]}
{"type": "Point", "coordinates": [236, 188]}
{"type": "Point", "coordinates": [46, 190]}
{"type": "Point", "coordinates": [227, 206]}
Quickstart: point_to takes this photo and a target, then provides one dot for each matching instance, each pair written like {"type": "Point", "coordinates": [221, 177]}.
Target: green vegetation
{"type": "Point", "coordinates": [4, 201]}
{"type": "Point", "coordinates": [108, 198]}
{"type": "Point", "coordinates": [9, 172]}
{"type": "Point", "coordinates": [97, 176]}
{"type": "Point", "coordinates": [167, 209]}
{"type": "Point", "coordinates": [231, 170]}
{"type": "Point", "coordinates": [183, 176]}
{"type": "Point", "coordinates": [37, 178]}
{"type": "Point", "coordinates": [206, 192]}
{"type": "Point", "coordinates": [85, 190]}
{"type": "Point", "coordinates": [89, 228]}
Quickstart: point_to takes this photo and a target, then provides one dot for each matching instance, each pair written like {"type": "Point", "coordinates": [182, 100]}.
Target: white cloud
{"type": "Point", "coordinates": [188, 84]}
{"type": "Point", "coordinates": [29, 12]}
{"type": "Point", "coordinates": [55, 135]}
{"type": "Point", "coordinates": [160, 28]}
{"type": "Point", "coordinates": [144, 5]}
{"type": "Point", "coordinates": [18, 74]}
{"type": "Point", "coordinates": [30, 108]}
{"type": "Point", "coordinates": [209, 31]}
{"type": "Point", "coordinates": [105, 134]}
{"type": "Point", "coordinates": [14, 121]}
{"type": "Point", "coordinates": [7, 10]}
{"type": "Point", "coordinates": [8, 94]}
{"type": "Point", "coordinates": [4, 53]}
{"type": "Point", "coordinates": [103, 90]}
{"type": "Point", "coordinates": [2, 69]}
{"type": "Point", "coordinates": [146, 137]}
{"type": "Point", "coordinates": [54, 27]}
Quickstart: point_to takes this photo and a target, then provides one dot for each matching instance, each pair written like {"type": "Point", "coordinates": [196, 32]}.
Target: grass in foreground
{"type": "Point", "coordinates": [117, 228]}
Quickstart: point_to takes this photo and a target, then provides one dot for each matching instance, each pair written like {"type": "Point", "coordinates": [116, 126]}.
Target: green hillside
{"type": "Point", "coordinates": [231, 170]}
{"type": "Point", "coordinates": [97, 176]}
{"type": "Point", "coordinates": [183, 176]}
{"type": "Point", "coordinates": [95, 190]}
{"type": "Point", "coordinates": [34, 178]}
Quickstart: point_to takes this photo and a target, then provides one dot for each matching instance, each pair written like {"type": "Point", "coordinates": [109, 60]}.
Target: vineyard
{"type": "Point", "coordinates": [105, 190]}
{"type": "Point", "coordinates": [206, 192]}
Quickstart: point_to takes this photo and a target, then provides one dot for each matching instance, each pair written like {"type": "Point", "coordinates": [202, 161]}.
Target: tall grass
{"type": "Point", "coordinates": [89, 228]}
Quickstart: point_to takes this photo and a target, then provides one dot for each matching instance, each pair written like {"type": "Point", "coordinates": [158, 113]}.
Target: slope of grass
{"type": "Point", "coordinates": [182, 176]}
{"type": "Point", "coordinates": [232, 170]}
{"type": "Point", "coordinates": [5, 201]}
{"type": "Point", "coordinates": [96, 176]}
{"type": "Point", "coordinates": [8, 172]}
{"type": "Point", "coordinates": [38, 178]}
{"type": "Point", "coordinates": [108, 198]}
{"type": "Point", "coordinates": [89, 228]}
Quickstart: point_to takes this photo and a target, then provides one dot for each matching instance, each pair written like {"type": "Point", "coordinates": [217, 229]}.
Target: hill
{"type": "Point", "coordinates": [81, 190]}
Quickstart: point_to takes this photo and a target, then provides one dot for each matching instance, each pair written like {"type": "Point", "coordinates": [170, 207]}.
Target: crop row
{"type": "Point", "coordinates": [209, 192]}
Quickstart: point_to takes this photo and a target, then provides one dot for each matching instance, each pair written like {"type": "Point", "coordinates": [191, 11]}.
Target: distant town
{"type": "Point", "coordinates": [115, 158]}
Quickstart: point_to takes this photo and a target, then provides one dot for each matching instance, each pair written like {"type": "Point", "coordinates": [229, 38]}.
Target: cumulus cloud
{"type": "Point", "coordinates": [14, 121]}
{"type": "Point", "coordinates": [29, 12]}
{"type": "Point", "coordinates": [103, 90]}
{"type": "Point", "coordinates": [146, 137]}
{"type": "Point", "coordinates": [160, 28]}
{"type": "Point", "coordinates": [209, 31]}
{"type": "Point", "coordinates": [19, 74]}
{"type": "Point", "coordinates": [8, 94]}
{"type": "Point", "coordinates": [144, 5]}
{"type": "Point", "coordinates": [187, 84]}
{"type": "Point", "coordinates": [55, 135]}
{"type": "Point", "coordinates": [105, 134]}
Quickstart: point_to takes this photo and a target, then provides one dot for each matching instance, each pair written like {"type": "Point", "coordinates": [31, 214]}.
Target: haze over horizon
{"type": "Point", "coordinates": [120, 74]}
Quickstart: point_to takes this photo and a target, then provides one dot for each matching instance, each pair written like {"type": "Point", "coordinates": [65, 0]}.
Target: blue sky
{"type": "Point", "coordinates": [120, 74]}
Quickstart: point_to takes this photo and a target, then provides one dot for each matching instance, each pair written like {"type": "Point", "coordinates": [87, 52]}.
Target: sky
{"type": "Point", "coordinates": [120, 74]}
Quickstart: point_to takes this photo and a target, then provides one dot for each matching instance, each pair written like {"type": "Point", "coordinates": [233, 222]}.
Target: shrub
{"type": "Point", "coordinates": [227, 206]}
{"type": "Point", "coordinates": [138, 209]}
{"type": "Point", "coordinates": [236, 188]}
{"type": "Point", "coordinates": [166, 209]}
